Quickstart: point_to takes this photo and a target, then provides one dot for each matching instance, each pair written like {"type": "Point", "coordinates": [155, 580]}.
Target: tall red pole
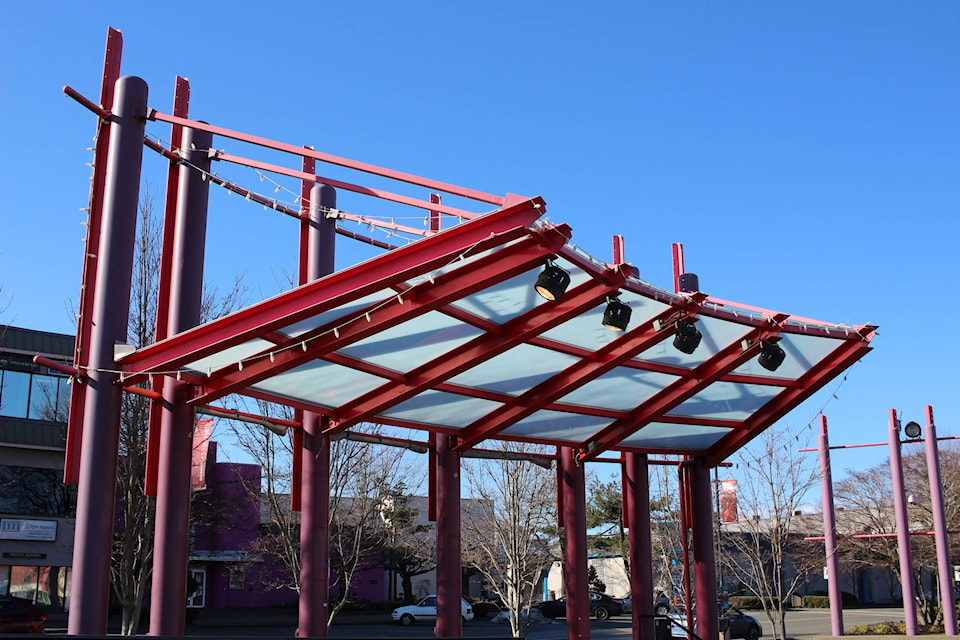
{"type": "Point", "coordinates": [944, 568]}
{"type": "Point", "coordinates": [704, 552]}
{"type": "Point", "coordinates": [172, 534]}
{"type": "Point", "coordinates": [637, 497]}
{"type": "Point", "coordinates": [830, 531]}
{"type": "Point", "coordinates": [449, 574]}
{"type": "Point", "coordinates": [97, 475]}
{"type": "Point", "coordinates": [903, 527]}
{"type": "Point", "coordinates": [314, 613]}
{"type": "Point", "coordinates": [575, 549]}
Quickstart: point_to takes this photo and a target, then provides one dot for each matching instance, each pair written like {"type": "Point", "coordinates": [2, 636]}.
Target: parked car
{"type": "Point", "coordinates": [661, 604]}
{"type": "Point", "coordinates": [20, 616]}
{"type": "Point", "coordinates": [602, 607]}
{"type": "Point", "coordinates": [426, 609]}
{"type": "Point", "coordinates": [740, 624]}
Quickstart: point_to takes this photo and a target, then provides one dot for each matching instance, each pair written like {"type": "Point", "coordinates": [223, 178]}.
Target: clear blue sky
{"type": "Point", "coordinates": [807, 155]}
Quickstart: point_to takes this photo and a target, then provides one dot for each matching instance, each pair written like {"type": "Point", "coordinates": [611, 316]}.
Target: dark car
{"type": "Point", "coordinates": [661, 604]}
{"type": "Point", "coordinates": [20, 616]}
{"type": "Point", "coordinates": [741, 625]}
{"type": "Point", "coordinates": [602, 607]}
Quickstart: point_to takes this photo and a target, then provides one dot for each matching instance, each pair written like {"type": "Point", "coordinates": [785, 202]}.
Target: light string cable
{"type": "Point", "coordinates": [297, 205]}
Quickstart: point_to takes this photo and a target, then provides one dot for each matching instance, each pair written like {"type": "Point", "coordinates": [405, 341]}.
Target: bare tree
{"type": "Point", "coordinates": [360, 476]}
{"type": "Point", "coordinates": [132, 559]}
{"type": "Point", "coordinates": [868, 508]}
{"type": "Point", "coordinates": [765, 547]}
{"type": "Point", "coordinates": [506, 528]}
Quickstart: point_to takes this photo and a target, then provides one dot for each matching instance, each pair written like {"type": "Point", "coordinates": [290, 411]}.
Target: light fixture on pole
{"type": "Point", "coordinates": [912, 430]}
{"type": "Point", "coordinates": [772, 355]}
{"type": "Point", "coordinates": [687, 337]}
{"type": "Point", "coordinates": [552, 282]}
{"type": "Point", "coordinates": [617, 314]}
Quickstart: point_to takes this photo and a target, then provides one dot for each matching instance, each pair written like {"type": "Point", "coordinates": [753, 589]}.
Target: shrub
{"type": "Point", "coordinates": [749, 602]}
{"type": "Point", "coordinates": [816, 602]}
{"type": "Point", "coordinates": [885, 628]}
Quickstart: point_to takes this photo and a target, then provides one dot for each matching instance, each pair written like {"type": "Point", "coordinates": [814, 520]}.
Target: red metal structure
{"type": "Point", "coordinates": [445, 334]}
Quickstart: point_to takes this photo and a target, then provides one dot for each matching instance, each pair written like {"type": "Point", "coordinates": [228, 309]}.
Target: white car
{"type": "Point", "coordinates": [426, 609]}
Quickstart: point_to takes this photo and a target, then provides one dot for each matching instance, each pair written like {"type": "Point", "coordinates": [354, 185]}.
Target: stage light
{"type": "Point", "coordinates": [552, 282]}
{"type": "Point", "coordinates": [912, 430]}
{"type": "Point", "coordinates": [771, 355]}
{"type": "Point", "coordinates": [617, 315]}
{"type": "Point", "coordinates": [687, 338]}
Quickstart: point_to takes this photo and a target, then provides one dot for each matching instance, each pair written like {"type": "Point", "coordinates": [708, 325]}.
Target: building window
{"type": "Point", "coordinates": [30, 391]}
{"type": "Point", "coordinates": [236, 578]}
{"type": "Point", "coordinates": [197, 578]}
{"type": "Point", "coordinates": [36, 492]}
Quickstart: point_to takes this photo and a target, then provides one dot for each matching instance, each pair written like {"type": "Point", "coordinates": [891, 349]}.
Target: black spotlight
{"type": "Point", "coordinates": [553, 281]}
{"type": "Point", "coordinates": [617, 315]}
{"type": "Point", "coordinates": [771, 355]}
{"type": "Point", "coordinates": [687, 338]}
{"type": "Point", "coordinates": [912, 429]}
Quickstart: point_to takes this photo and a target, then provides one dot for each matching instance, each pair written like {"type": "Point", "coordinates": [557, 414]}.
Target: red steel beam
{"type": "Point", "coordinates": [181, 105]}
{"type": "Point", "coordinates": [349, 284]}
{"type": "Point", "coordinates": [576, 375]}
{"type": "Point", "coordinates": [698, 379]}
{"type": "Point", "coordinates": [842, 357]}
{"type": "Point", "coordinates": [332, 159]}
{"type": "Point", "coordinates": [342, 332]}
{"type": "Point", "coordinates": [349, 186]}
{"type": "Point", "coordinates": [111, 71]}
{"type": "Point", "coordinates": [541, 318]}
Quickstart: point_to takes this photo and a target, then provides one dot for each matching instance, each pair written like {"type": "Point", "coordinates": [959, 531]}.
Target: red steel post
{"type": "Point", "coordinates": [944, 567]}
{"type": "Point", "coordinates": [704, 553]}
{"type": "Point", "coordinates": [903, 526]}
{"type": "Point", "coordinates": [449, 621]}
{"type": "Point", "coordinates": [96, 492]}
{"type": "Point", "coordinates": [315, 458]}
{"type": "Point", "coordinates": [575, 550]}
{"type": "Point", "coordinates": [830, 531]}
{"type": "Point", "coordinates": [637, 496]}
{"type": "Point", "coordinates": [172, 537]}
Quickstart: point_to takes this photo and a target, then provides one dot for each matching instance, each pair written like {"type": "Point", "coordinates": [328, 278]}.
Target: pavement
{"type": "Point", "coordinates": [810, 624]}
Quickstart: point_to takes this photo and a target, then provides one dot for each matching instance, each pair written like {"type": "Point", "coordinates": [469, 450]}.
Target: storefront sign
{"type": "Point", "coordinates": [17, 529]}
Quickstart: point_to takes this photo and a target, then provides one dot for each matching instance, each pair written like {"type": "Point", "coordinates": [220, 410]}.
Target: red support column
{"type": "Point", "coordinates": [449, 575]}
{"type": "Point", "coordinates": [830, 530]}
{"type": "Point", "coordinates": [172, 530]}
{"type": "Point", "coordinates": [97, 475]}
{"type": "Point", "coordinates": [704, 558]}
{"type": "Point", "coordinates": [314, 613]}
{"type": "Point", "coordinates": [575, 551]}
{"type": "Point", "coordinates": [637, 498]}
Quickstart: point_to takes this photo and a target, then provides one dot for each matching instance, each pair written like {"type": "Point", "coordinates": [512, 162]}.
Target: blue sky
{"type": "Point", "coordinates": [805, 154]}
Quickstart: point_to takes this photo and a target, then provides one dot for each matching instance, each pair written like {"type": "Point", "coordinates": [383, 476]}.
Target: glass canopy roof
{"type": "Point", "coordinates": [448, 334]}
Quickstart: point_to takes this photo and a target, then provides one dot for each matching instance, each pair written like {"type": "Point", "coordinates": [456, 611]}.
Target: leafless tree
{"type": "Point", "coordinates": [410, 544]}
{"type": "Point", "coordinates": [868, 508]}
{"type": "Point", "coordinates": [505, 528]}
{"type": "Point", "coordinates": [360, 476]}
{"type": "Point", "coordinates": [765, 543]}
{"type": "Point", "coordinates": [132, 560]}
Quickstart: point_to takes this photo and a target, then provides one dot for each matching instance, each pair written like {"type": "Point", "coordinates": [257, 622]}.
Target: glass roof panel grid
{"type": "Point", "coordinates": [505, 300]}
{"type": "Point", "coordinates": [327, 317]}
{"type": "Point", "coordinates": [456, 263]}
{"type": "Point", "coordinates": [441, 409]}
{"type": "Point", "coordinates": [411, 344]}
{"type": "Point", "coordinates": [675, 437]}
{"type": "Point", "coordinates": [556, 425]}
{"type": "Point", "coordinates": [516, 370]}
{"type": "Point", "coordinates": [622, 389]}
{"type": "Point", "coordinates": [320, 383]}
{"type": "Point", "coordinates": [803, 353]}
{"type": "Point", "coordinates": [727, 401]}
{"type": "Point", "coordinates": [587, 331]}
{"type": "Point", "coordinates": [717, 335]}
{"type": "Point", "coordinates": [229, 356]}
